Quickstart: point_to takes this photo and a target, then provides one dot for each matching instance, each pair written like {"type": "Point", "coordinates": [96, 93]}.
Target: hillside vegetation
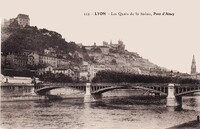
{"type": "Point", "coordinates": [15, 39]}
{"type": "Point", "coordinates": [34, 39]}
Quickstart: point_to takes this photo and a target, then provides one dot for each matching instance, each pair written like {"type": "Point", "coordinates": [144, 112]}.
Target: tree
{"type": "Point", "coordinates": [119, 77]}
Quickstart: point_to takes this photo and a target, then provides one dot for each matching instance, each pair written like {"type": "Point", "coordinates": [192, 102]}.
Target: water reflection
{"type": "Point", "coordinates": [177, 108]}
{"type": "Point", "coordinates": [191, 102]}
{"type": "Point", "coordinates": [111, 113]}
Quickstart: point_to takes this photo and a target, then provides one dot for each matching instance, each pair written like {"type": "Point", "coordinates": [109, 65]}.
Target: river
{"type": "Point", "coordinates": [111, 113]}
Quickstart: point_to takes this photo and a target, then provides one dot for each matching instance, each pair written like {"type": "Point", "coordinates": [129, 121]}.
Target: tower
{"type": "Point", "coordinates": [193, 66]}
{"type": "Point", "coordinates": [23, 19]}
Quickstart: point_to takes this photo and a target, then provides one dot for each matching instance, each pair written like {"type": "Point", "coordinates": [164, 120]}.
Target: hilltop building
{"type": "Point", "coordinates": [23, 20]}
{"type": "Point", "coordinates": [106, 48]}
{"type": "Point", "coordinates": [118, 47]}
{"type": "Point", "coordinates": [103, 49]}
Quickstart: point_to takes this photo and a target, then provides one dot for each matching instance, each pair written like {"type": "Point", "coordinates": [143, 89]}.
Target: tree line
{"type": "Point", "coordinates": [119, 77]}
{"type": "Point", "coordinates": [55, 78]}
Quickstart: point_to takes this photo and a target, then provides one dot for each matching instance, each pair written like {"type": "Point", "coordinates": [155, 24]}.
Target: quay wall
{"type": "Point", "coordinates": [18, 91]}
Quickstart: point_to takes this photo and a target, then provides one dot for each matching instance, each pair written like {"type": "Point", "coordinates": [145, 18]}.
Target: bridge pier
{"type": "Point", "coordinates": [172, 100]}
{"type": "Point", "coordinates": [88, 97]}
{"type": "Point", "coordinates": [33, 90]}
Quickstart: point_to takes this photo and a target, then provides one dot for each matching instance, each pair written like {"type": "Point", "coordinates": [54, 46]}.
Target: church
{"type": "Point", "coordinates": [194, 72]}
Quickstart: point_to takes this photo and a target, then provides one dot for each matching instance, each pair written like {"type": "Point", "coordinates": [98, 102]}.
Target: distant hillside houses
{"type": "Point", "coordinates": [88, 71]}
{"type": "Point", "coordinates": [48, 62]}
{"type": "Point", "coordinates": [126, 69]}
{"type": "Point", "coordinates": [73, 73]}
{"type": "Point", "coordinates": [16, 60]}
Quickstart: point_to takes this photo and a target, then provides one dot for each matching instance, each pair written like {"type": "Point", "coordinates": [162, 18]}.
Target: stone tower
{"type": "Point", "coordinates": [23, 20]}
{"type": "Point", "coordinates": [193, 66]}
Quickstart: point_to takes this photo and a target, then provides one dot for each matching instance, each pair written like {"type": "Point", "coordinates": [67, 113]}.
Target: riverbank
{"type": "Point", "coordinates": [195, 124]}
{"type": "Point", "coordinates": [21, 98]}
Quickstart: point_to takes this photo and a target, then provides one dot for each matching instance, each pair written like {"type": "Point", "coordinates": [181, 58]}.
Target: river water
{"type": "Point", "coordinates": [111, 113]}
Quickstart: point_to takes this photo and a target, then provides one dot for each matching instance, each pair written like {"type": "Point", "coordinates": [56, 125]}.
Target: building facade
{"type": "Point", "coordinates": [62, 62]}
{"type": "Point", "coordinates": [94, 69]}
{"type": "Point", "coordinates": [17, 60]}
{"type": "Point", "coordinates": [66, 71]}
{"type": "Point", "coordinates": [48, 59]}
{"type": "Point", "coordinates": [45, 69]}
{"type": "Point", "coordinates": [33, 58]}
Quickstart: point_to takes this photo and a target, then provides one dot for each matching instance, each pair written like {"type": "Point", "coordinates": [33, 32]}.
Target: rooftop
{"type": "Point", "coordinates": [23, 16]}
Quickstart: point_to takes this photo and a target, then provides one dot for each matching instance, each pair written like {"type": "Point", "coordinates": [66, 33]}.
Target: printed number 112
{"type": "Point", "coordinates": [86, 14]}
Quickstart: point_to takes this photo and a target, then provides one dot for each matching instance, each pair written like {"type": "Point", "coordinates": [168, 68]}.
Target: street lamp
{"type": "Point", "coordinates": [88, 75]}
{"type": "Point", "coordinates": [171, 74]}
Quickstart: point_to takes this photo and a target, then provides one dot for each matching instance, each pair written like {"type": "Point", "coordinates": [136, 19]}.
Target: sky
{"type": "Point", "coordinates": [165, 40]}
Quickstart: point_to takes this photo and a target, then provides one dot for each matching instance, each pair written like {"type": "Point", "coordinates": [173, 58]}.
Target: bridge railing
{"type": "Point", "coordinates": [105, 84]}
{"type": "Point", "coordinates": [129, 84]}
{"type": "Point", "coordinates": [62, 84]}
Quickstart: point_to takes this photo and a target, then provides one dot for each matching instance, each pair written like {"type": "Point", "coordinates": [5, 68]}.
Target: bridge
{"type": "Point", "coordinates": [93, 91]}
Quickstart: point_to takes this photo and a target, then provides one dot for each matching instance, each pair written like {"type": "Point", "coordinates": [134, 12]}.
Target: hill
{"type": "Point", "coordinates": [16, 39]}
{"type": "Point", "coordinates": [123, 61]}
